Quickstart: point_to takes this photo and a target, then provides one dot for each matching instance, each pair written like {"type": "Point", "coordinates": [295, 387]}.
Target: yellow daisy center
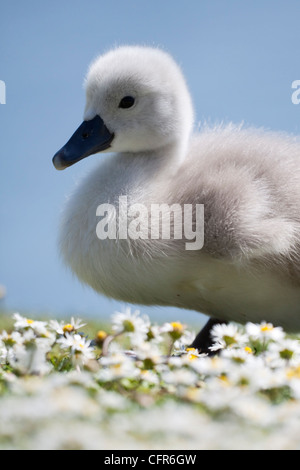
{"type": "Point", "coordinates": [101, 335]}
{"type": "Point", "coordinates": [68, 328]}
{"type": "Point", "coordinates": [293, 373]}
{"type": "Point", "coordinates": [176, 325]}
{"type": "Point", "coordinates": [267, 327]}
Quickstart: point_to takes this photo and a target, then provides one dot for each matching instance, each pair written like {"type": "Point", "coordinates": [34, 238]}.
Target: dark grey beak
{"type": "Point", "coordinates": [90, 137]}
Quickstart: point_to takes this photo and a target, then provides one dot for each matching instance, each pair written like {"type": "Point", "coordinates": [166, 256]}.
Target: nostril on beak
{"type": "Point", "coordinates": [85, 135]}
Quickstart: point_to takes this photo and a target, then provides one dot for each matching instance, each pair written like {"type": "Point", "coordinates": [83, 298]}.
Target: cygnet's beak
{"type": "Point", "coordinates": [90, 137]}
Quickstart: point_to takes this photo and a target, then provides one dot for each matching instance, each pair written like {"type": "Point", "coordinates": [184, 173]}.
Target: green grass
{"type": "Point", "coordinates": [6, 320]}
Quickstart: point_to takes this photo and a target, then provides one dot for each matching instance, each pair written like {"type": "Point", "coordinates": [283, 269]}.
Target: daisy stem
{"type": "Point", "coordinates": [107, 342]}
{"type": "Point", "coordinates": [171, 348]}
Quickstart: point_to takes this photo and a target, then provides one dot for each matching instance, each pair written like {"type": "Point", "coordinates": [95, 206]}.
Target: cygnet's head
{"type": "Point", "coordinates": [136, 101]}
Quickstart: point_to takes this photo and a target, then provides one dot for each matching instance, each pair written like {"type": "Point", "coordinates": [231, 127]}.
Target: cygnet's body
{"type": "Point", "coordinates": [247, 180]}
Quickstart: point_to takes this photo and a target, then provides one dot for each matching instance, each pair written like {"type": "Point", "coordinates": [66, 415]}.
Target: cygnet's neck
{"type": "Point", "coordinates": [162, 162]}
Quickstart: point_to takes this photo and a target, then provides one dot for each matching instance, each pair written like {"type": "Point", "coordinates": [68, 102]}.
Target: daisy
{"type": "Point", "coordinates": [136, 326]}
{"type": "Point", "coordinates": [155, 333]}
{"type": "Point", "coordinates": [149, 353]}
{"type": "Point", "coordinates": [100, 337]}
{"type": "Point", "coordinates": [9, 339]}
{"type": "Point", "coordinates": [78, 346]}
{"type": "Point", "coordinates": [264, 331]}
{"type": "Point", "coordinates": [56, 326]}
{"type": "Point", "coordinates": [61, 327]}
{"type": "Point", "coordinates": [237, 355]}
{"type": "Point", "coordinates": [30, 358]}
{"type": "Point", "coordinates": [280, 352]}
{"type": "Point", "coordinates": [117, 366]}
{"type": "Point", "coordinates": [175, 329]}
{"type": "Point", "coordinates": [227, 336]}
{"type": "Point", "coordinates": [190, 354]}
{"type": "Point", "coordinates": [23, 323]}
{"type": "Point", "coordinates": [184, 341]}
{"type": "Point", "coordinates": [257, 375]}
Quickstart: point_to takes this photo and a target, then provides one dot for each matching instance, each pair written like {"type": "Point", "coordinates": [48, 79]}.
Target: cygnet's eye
{"type": "Point", "coordinates": [126, 102]}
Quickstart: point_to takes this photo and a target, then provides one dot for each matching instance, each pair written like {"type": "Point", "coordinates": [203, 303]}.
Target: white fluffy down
{"type": "Point", "coordinates": [247, 179]}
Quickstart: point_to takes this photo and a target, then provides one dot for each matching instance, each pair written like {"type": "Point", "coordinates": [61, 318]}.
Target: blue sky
{"type": "Point", "coordinates": [239, 58]}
